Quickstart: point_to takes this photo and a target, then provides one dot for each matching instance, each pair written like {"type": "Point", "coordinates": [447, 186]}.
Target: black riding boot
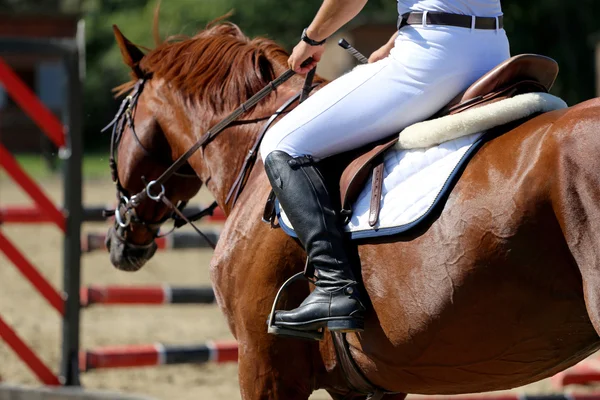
{"type": "Point", "coordinates": [335, 302]}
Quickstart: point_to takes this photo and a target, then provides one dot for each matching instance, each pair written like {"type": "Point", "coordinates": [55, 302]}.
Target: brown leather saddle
{"type": "Point", "coordinates": [524, 73]}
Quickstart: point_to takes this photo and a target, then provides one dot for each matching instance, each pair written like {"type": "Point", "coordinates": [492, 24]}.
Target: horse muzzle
{"type": "Point", "coordinates": [127, 256]}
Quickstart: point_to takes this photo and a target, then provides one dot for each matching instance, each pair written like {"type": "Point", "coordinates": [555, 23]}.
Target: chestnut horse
{"type": "Point", "coordinates": [501, 290]}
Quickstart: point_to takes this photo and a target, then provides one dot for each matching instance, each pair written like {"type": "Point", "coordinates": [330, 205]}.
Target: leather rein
{"type": "Point", "coordinates": [125, 214]}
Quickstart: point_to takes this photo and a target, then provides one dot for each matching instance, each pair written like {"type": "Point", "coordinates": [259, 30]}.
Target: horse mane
{"type": "Point", "coordinates": [219, 67]}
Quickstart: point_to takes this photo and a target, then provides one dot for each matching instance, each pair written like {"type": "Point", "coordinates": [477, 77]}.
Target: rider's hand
{"type": "Point", "coordinates": [302, 52]}
{"type": "Point", "coordinates": [380, 53]}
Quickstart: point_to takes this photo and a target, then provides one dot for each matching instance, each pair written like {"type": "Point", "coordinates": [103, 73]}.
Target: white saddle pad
{"type": "Point", "coordinates": [413, 180]}
{"type": "Point", "coordinates": [416, 178]}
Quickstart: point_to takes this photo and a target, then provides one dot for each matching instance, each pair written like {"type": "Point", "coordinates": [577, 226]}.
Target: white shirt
{"type": "Point", "coordinates": [479, 8]}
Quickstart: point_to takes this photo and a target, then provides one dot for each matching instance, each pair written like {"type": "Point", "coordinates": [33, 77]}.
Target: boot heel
{"type": "Point", "coordinates": [346, 325]}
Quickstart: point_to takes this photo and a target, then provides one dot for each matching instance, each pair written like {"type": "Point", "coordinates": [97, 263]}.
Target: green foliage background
{"type": "Point", "coordinates": [563, 30]}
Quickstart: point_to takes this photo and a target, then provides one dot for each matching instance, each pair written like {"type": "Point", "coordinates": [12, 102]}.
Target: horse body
{"type": "Point", "coordinates": [488, 298]}
{"type": "Point", "coordinates": [499, 291]}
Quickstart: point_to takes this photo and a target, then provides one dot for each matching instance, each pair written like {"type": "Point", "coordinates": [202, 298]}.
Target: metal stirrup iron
{"type": "Point", "coordinates": [287, 332]}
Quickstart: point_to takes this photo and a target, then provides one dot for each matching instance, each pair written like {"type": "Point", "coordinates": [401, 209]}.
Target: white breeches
{"type": "Point", "coordinates": [426, 69]}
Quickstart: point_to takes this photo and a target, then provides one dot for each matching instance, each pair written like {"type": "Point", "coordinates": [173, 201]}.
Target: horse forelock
{"type": "Point", "coordinates": [217, 68]}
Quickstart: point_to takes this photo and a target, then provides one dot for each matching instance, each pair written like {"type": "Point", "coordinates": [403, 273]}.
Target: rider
{"type": "Point", "coordinates": [440, 48]}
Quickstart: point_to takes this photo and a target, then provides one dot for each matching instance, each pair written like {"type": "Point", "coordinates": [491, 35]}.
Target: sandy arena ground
{"type": "Point", "coordinates": [39, 325]}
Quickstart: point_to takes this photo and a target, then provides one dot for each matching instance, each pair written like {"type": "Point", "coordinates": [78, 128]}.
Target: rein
{"type": "Point", "coordinates": [125, 213]}
{"type": "Point", "coordinates": [205, 139]}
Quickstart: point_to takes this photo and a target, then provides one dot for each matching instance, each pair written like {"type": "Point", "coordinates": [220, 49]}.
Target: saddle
{"type": "Point", "coordinates": [525, 73]}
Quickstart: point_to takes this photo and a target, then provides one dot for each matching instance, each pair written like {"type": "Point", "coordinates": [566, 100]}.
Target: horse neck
{"type": "Point", "coordinates": [221, 161]}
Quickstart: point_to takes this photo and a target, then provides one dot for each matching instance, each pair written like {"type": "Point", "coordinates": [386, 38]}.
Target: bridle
{"type": "Point", "coordinates": [125, 212]}
{"type": "Point", "coordinates": [125, 217]}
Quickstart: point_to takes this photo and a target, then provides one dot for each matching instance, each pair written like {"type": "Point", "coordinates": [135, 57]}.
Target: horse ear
{"type": "Point", "coordinates": [132, 55]}
{"type": "Point", "coordinates": [264, 68]}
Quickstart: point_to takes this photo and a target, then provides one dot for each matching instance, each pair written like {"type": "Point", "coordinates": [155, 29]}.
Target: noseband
{"type": "Point", "coordinates": [125, 213]}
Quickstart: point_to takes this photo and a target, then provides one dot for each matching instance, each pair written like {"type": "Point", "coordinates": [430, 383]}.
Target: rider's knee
{"type": "Point", "coordinates": [273, 141]}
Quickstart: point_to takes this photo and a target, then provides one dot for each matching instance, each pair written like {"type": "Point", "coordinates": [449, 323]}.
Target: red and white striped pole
{"type": "Point", "coordinates": [157, 354]}
{"type": "Point", "coordinates": [145, 295]}
{"type": "Point", "coordinates": [35, 215]}
{"type": "Point", "coordinates": [512, 396]}
{"type": "Point", "coordinates": [586, 372]}
{"type": "Point", "coordinates": [94, 241]}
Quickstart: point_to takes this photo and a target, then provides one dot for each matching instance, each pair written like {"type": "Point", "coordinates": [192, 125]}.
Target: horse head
{"type": "Point", "coordinates": [181, 89]}
{"type": "Point", "coordinates": [143, 152]}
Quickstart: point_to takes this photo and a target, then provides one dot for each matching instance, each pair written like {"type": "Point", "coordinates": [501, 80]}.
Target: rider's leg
{"type": "Point", "coordinates": [365, 105]}
{"type": "Point", "coordinates": [301, 191]}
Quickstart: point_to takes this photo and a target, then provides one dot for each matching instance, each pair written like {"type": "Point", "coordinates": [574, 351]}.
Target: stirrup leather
{"type": "Point", "coordinates": [288, 332]}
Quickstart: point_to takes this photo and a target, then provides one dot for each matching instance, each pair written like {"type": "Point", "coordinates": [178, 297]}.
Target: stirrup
{"type": "Point", "coordinates": [289, 332]}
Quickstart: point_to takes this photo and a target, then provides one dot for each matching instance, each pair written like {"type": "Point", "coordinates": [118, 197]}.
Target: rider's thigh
{"type": "Point", "coordinates": [374, 101]}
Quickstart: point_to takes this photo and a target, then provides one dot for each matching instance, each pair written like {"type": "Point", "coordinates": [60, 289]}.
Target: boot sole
{"type": "Point", "coordinates": [346, 325]}
{"type": "Point", "coordinates": [334, 324]}
{"type": "Point", "coordinates": [295, 333]}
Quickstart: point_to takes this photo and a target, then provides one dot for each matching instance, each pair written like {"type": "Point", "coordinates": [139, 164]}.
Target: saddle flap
{"type": "Point", "coordinates": [357, 173]}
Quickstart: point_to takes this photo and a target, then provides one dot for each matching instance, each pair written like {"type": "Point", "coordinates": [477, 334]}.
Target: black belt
{"type": "Point", "coordinates": [458, 20]}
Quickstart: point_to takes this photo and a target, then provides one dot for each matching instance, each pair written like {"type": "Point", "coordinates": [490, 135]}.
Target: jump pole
{"type": "Point", "coordinates": [157, 354]}
{"type": "Point", "coordinates": [36, 365]}
{"type": "Point", "coordinates": [35, 215]}
{"type": "Point", "coordinates": [41, 284]}
{"type": "Point", "coordinates": [72, 156]}
{"type": "Point", "coordinates": [512, 396]}
{"type": "Point", "coordinates": [45, 206]}
{"type": "Point", "coordinates": [586, 372]}
{"type": "Point", "coordinates": [93, 241]}
{"type": "Point", "coordinates": [145, 295]}
{"type": "Point", "coordinates": [69, 218]}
